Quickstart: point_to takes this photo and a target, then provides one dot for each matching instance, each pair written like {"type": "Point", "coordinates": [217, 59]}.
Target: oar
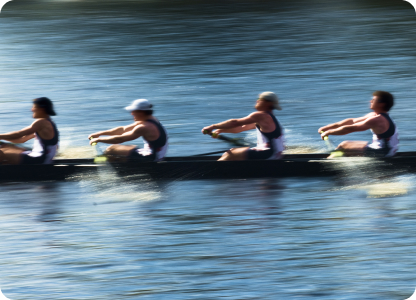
{"type": "Point", "coordinates": [210, 153]}
{"type": "Point", "coordinates": [332, 148]}
{"type": "Point", "coordinates": [233, 141]}
{"type": "Point", "coordinates": [99, 155]}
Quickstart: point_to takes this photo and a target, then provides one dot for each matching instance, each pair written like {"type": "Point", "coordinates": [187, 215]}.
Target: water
{"type": "Point", "coordinates": [200, 63]}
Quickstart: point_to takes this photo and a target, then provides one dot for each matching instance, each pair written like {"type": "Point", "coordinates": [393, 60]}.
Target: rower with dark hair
{"type": "Point", "coordinates": [146, 126]}
{"type": "Point", "coordinates": [270, 138]}
{"type": "Point", "coordinates": [43, 129]}
{"type": "Point", "coordinates": [385, 135]}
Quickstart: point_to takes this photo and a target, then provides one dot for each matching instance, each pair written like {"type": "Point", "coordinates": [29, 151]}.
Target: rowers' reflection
{"type": "Point", "coordinates": [50, 203]}
{"type": "Point", "coordinates": [265, 192]}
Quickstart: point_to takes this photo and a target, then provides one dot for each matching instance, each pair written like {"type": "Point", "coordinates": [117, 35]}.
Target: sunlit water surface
{"type": "Point", "coordinates": [201, 63]}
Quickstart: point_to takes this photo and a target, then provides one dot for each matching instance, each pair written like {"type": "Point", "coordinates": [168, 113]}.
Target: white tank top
{"type": "Point", "coordinates": [271, 140]}
{"type": "Point", "coordinates": [388, 140]}
{"type": "Point", "coordinates": [159, 147]}
{"type": "Point", "coordinates": [46, 148]}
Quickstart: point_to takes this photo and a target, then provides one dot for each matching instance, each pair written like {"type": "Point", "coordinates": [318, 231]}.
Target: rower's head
{"type": "Point", "coordinates": [42, 108]}
{"type": "Point", "coordinates": [140, 109]}
{"type": "Point", "coordinates": [381, 101]}
{"type": "Point", "coordinates": [267, 101]}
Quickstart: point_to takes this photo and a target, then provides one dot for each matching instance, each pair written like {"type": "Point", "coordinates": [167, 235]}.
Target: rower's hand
{"type": "Point", "coordinates": [207, 130]}
{"type": "Point", "coordinates": [93, 136]}
{"type": "Point", "coordinates": [216, 133]}
{"type": "Point", "coordinates": [324, 134]}
{"type": "Point", "coordinates": [94, 141]}
{"type": "Point", "coordinates": [322, 129]}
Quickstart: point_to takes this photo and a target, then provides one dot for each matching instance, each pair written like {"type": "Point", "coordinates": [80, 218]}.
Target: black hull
{"type": "Point", "coordinates": [187, 168]}
{"type": "Point", "coordinates": [53, 172]}
{"type": "Point", "coordinates": [211, 169]}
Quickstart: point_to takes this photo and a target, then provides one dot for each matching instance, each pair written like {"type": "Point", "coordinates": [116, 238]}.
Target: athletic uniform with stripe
{"type": "Point", "coordinates": [152, 150]}
{"type": "Point", "coordinates": [270, 145]}
{"type": "Point", "coordinates": [43, 150]}
{"type": "Point", "coordinates": [385, 144]}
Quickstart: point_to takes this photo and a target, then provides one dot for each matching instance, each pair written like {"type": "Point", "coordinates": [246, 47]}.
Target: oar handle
{"type": "Point", "coordinates": [99, 156]}
{"type": "Point", "coordinates": [213, 134]}
{"type": "Point", "coordinates": [334, 152]}
{"type": "Point", "coordinates": [93, 144]}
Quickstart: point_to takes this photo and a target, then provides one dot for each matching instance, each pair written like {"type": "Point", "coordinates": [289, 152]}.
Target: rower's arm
{"type": "Point", "coordinates": [237, 129]}
{"type": "Point", "coordinates": [21, 134]}
{"type": "Point", "coordinates": [137, 132]}
{"type": "Point", "coordinates": [237, 124]}
{"type": "Point", "coordinates": [23, 139]}
{"type": "Point", "coordinates": [345, 122]}
{"type": "Point", "coordinates": [113, 131]}
{"type": "Point", "coordinates": [361, 126]}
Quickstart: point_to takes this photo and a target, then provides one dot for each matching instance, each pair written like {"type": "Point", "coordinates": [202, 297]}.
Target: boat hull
{"type": "Point", "coordinates": [211, 169]}
{"type": "Point", "coordinates": [187, 168]}
{"type": "Point", "coordinates": [52, 172]}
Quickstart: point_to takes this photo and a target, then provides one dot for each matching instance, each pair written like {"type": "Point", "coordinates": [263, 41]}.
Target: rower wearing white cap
{"type": "Point", "coordinates": [270, 138]}
{"type": "Point", "coordinates": [146, 126]}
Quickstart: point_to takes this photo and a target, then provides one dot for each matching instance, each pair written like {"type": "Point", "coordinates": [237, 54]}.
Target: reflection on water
{"type": "Point", "coordinates": [387, 189]}
{"type": "Point", "coordinates": [256, 238]}
{"type": "Point", "coordinates": [200, 63]}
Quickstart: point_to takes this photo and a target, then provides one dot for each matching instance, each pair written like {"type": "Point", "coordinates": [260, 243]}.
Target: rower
{"type": "Point", "coordinates": [43, 130]}
{"type": "Point", "coordinates": [145, 125]}
{"type": "Point", "coordinates": [385, 135]}
{"type": "Point", "coordinates": [270, 143]}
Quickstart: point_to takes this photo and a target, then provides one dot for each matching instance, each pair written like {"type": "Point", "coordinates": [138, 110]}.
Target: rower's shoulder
{"type": "Point", "coordinates": [143, 124]}
{"type": "Point", "coordinates": [371, 115]}
{"type": "Point", "coordinates": [137, 123]}
{"type": "Point", "coordinates": [261, 114]}
{"type": "Point", "coordinates": [374, 118]}
{"type": "Point", "coordinates": [41, 122]}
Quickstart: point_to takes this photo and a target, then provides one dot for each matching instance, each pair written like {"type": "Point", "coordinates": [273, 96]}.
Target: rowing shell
{"type": "Point", "coordinates": [206, 167]}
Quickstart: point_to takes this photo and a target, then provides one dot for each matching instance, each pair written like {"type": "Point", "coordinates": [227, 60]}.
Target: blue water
{"type": "Point", "coordinates": [201, 63]}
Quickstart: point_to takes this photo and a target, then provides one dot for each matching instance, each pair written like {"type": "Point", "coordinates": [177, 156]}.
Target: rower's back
{"type": "Point", "coordinates": [388, 141]}
{"type": "Point", "coordinates": [46, 140]}
{"type": "Point", "coordinates": [270, 137]}
{"type": "Point", "coordinates": [46, 148]}
{"type": "Point", "coordinates": [273, 140]}
{"type": "Point", "coordinates": [159, 146]}
{"type": "Point", "coordinates": [384, 144]}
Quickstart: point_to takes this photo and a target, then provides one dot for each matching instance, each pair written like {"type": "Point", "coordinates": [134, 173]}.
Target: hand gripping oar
{"type": "Point", "coordinates": [233, 141]}
{"type": "Point", "coordinates": [99, 156]}
{"type": "Point", "coordinates": [332, 148]}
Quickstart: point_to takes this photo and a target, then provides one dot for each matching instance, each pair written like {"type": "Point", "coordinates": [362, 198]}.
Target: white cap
{"type": "Point", "coordinates": [139, 104]}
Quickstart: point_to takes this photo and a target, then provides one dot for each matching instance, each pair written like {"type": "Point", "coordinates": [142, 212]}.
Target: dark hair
{"type": "Point", "coordinates": [46, 104]}
{"type": "Point", "coordinates": [386, 98]}
{"type": "Point", "coordinates": [148, 112]}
